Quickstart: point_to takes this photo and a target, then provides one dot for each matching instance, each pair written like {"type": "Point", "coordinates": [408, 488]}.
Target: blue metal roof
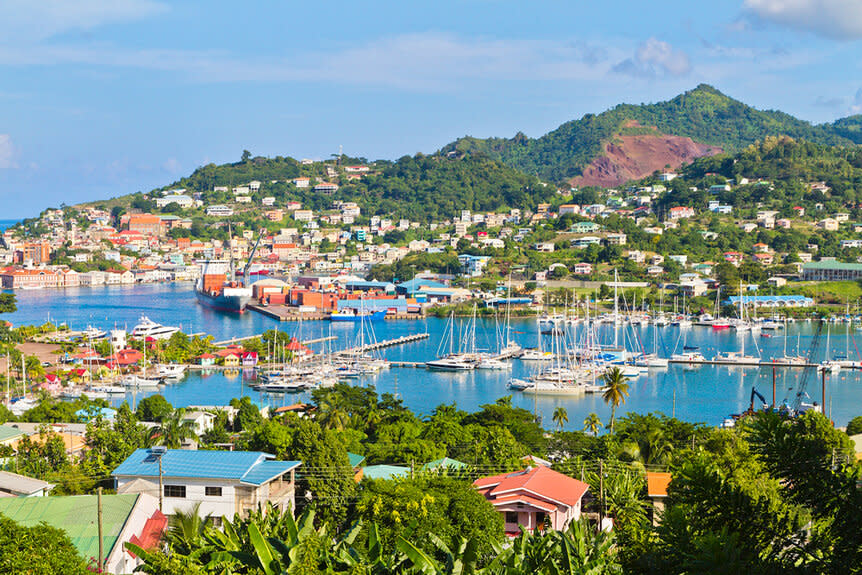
{"type": "Point", "coordinates": [417, 283]}
{"type": "Point", "coordinates": [252, 467]}
{"type": "Point", "coordinates": [769, 298]}
{"type": "Point", "coordinates": [384, 471]}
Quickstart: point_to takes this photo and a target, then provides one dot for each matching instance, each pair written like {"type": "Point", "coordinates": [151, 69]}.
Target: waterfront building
{"type": "Point", "coordinates": [771, 301]}
{"type": "Point", "coordinates": [224, 483]}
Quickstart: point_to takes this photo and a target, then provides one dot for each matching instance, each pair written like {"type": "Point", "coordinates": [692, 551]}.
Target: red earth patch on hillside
{"type": "Point", "coordinates": [634, 157]}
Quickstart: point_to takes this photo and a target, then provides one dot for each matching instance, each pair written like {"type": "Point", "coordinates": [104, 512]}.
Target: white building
{"type": "Point", "coordinates": [219, 210]}
{"type": "Point", "coordinates": [224, 483]}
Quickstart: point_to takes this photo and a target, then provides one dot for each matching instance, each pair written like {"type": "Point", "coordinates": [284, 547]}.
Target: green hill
{"type": "Point", "coordinates": [422, 188]}
{"type": "Point", "coordinates": [703, 114]}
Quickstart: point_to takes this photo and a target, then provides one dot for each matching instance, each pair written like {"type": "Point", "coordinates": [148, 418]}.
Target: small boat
{"type": "Point", "coordinates": [356, 315]}
{"type": "Point", "coordinates": [766, 335]}
{"type": "Point", "coordinates": [138, 382]}
{"type": "Point", "coordinates": [171, 371]}
{"type": "Point", "coordinates": [519, 384]}
{"type": "Point", "coordinates": [106, 389]}
{"type": "Point", "coordinates": [535, 354]}
{"type": "Point", "coordinates": [491, 363]}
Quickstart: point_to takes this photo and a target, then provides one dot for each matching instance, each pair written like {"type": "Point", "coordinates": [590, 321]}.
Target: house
{"type": "Point", "coordinates": [206, 359]}
{"type": "Point", "coordinates": [776, 281]}
{"type": "Point", "coordinates": [326, 188]}
{"type": "Point", "coordinates": [10, 435]}
{"type": "Point", "coordinates": [202, 421]}
{"type": "Point", "coordinates": [224, 483]}
{"type": "Point", "coordinates": [828, 224]}
{"type": "Point", "coordinates": [129, 518]}
{"type": "Point", "coordinates": [582, 269]}
{"type": "Point", "coordinates": [231, 359]}
{"type": "Point", "coordinates": [546, 247]}
{"type": "Point", "coordinates": [14, 485]}
{"type": "Point", "coordinates": [657, 484]}
{"type": "Point", "coordinates": [618, 239]}
{"type": "Point", "coordinates": [585, 227]}
{"type": "Point", "coordinates": [249, 359]}
{"type": "Point", "coordinates": [534, 497]}
{"type": "Point", "coordinates": [219, 210]}
{"type": "Point", "coordinates": [584, 241]}
{"type": "Point", "coordinates": [679, 212]}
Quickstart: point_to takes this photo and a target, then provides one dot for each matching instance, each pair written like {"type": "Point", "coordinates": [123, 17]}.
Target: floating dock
{"type": "Point", "coordinates": [382, 344]}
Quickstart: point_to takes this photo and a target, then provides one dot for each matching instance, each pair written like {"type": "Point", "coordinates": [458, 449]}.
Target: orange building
{"type": "Point", "coordinates": [146, 224]}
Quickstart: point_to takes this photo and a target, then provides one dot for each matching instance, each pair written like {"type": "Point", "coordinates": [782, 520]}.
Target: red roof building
{"type": "Point", "coordinates": [533, 496]}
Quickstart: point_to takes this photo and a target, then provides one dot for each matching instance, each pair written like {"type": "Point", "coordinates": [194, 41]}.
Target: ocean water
{"type": "Point", "coordinates": [7, 224]}
{"type": "Point", "coordinates": [700, 394]}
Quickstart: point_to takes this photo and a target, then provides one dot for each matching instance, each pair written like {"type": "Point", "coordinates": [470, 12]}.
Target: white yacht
{"type": "Point", "coordinates": [138, 382]}
{"type": "Point", "coordinates": [456, 362]}
{"type": "Point", "coordinates": [93, 333]}
{"type": "Point", "coordinates": [148, 328]}
{"type": "Point", "coordinates": [688, 357]}
{"type": "Point", "coordinates": [492, 363]}
{"type": "Point", "coordinates": [106, 389]}
{"type": "Point", "coordinates": [735, 357]}
{"type": "Point", "coordinates": [535, 354]}
{"type": "Point", "coordinates": [171, 371]}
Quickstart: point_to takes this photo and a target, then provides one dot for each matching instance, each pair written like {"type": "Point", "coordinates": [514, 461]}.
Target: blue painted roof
{"type": "Point", "coordinates": [417, 283]}
{"type": "Point", "coordinates": [252, 467]}
{"type": "Point", "coordinates": [767, 298]}
{"type": "Point", "coordinates": [106, 412]}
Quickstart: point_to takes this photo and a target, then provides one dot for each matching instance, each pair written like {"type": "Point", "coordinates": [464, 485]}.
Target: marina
{"type": "Point", "coordinates": [704, 392]}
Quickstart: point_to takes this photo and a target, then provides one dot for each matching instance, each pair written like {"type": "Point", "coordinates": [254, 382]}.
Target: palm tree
{"type": "Point", "coordinates": [592, 424]}
{"type": "Point", "coordinates": [615, 391]}
{"type": "Point", "coordinates": [560, 417]}
{"type": "Point", "coordinates": [172, 430]}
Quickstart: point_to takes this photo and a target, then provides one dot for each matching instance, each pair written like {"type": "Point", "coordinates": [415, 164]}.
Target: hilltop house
{"type": "Point", "coordinates": [223, 482]}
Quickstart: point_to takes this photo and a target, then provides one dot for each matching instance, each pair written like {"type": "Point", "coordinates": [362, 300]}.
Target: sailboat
{"type": "Point", "coordinates": [829, 364]}
{"type": "Point", "coordinates": [453, 360]}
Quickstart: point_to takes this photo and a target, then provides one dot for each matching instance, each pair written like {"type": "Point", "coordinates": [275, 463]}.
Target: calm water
{"type": "Point", "coordinates": [705, 394]}
{"type": "Point", "coordinates": [7, 224]}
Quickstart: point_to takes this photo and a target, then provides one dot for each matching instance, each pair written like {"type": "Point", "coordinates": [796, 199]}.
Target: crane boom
{"type": "Point", "coordinates": [810, 360]}
{"type": "Point", "coordinates": [251, 257]}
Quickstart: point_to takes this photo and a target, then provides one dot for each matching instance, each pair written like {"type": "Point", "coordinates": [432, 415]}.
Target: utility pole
{"type": "Point", "coordinates": [601, 494]}
{"type": "Point", "coordinates": [99, 521]}
{"type": "Point", "coordinates": [161, 488]}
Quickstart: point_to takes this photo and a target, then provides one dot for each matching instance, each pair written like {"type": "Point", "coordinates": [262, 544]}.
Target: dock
{"type": "Point", "coordinates": [385, 343]}
{"type": "Point", "coordinates": [234, 340]}
{"type": "Point", "coordinates": [289, 313]}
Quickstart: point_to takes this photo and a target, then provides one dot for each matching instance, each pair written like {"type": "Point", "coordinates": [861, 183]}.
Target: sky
{"type": "Point", "coordinates": [100, 98]}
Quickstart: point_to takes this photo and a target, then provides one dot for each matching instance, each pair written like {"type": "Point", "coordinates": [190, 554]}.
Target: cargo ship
{"type": "Point", "coordinates": [217, 289]}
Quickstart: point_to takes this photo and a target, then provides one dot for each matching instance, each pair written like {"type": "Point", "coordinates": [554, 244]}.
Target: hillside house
{"type": "Point", "coordinates": [224, 483]}
{"type": "Point", "coordinates": [534, 497]}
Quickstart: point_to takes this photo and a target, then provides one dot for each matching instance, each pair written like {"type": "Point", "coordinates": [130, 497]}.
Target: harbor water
{"type": "Point", "coordinates": [705, 393]}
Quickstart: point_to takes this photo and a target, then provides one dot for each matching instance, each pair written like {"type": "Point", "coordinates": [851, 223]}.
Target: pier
{"type": "Point", "coordinates": [382, 344]}
{"type": "Point", "coordinates": [234, 340]}
{"type": "Point", "coordinates": [289, 313]}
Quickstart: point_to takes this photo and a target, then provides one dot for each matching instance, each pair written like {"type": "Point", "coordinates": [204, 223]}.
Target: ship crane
{"type": "Point", "coordinates": [251, 257]}
{"type": "Point", "coordinates": [810, 367]}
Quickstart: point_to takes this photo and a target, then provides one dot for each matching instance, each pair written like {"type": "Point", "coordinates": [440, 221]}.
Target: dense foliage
{"type": "Point", "coordinates": [704, 114]}
{"type": "Point", "coordinates": [38, 550]}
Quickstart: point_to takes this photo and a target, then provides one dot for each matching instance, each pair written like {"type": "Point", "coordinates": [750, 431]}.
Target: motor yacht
{"type": "Point", "coordinates": [148, 328]}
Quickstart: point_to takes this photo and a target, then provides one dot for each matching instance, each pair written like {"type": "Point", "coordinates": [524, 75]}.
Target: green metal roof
{"type": "Point", "coordinates": [7, 433]}
{"type": "Point", "coordinates": [355, 459]}
{"type": "Point", "coordinates": [384, 471]}
{"type": "Point", "coordinates": [76, 515]}
{"type": "Point", "coordinates": [831, 265]}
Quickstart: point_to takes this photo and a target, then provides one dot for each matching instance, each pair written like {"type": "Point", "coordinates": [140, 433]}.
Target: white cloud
{"type": "Point", "coordinates": [840, 19]}
{"type": "Point", "coordinates": [856, 106]}
{"type": "Point", "coordinates": [172, 166]}
{"type": "Point", "coordinates": [426, 62]}
{"type": "Point", "coordinates": [7, 153]}
{"type": "Point", "coordinates": [39, 19]}
{"type": "Point", "coordinates": [655, 58]}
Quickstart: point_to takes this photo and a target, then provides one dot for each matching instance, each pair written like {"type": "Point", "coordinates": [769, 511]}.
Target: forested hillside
{"type": "Point", "coordinates": [704, 114]}
{"type": "Point", "coordinates": [422, 188]}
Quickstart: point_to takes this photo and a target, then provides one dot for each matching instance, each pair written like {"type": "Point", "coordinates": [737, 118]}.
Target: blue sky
{"type": "Point", "coordinates": [100, 98]}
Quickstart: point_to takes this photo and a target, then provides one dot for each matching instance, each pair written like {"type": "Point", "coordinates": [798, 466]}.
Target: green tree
{"type": "Point", "coordinates": [172, 431]}
{"type": "Point", "coordinates": [592, 424]}
{"type": "Point", "coordinates": [154, 408]}
{"type": "Point", "coordinates": [560, 417]}
{"type": "Point", "coordinates": [8, 303]}
{"type": "Point", "coordinates": [854, 427]}
{"type": "Point", "coordinates": [37, 550]}
{"type": "Point", "coordinates": [615, 391]}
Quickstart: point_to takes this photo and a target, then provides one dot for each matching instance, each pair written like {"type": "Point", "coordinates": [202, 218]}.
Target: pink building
{"type": "Point", "coordinates": [530, 497]}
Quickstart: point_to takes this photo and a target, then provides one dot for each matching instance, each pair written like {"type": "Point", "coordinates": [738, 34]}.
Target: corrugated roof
{"type": "Point", "coordinates": [21, 484]}
{"type": "Point", "coordinates": [657, 483]}
{"type": "Point", "coordinates": [7, 433]}
{"type": "Point", "coordinates": [831, 265]}
{"type": "Point", "coordinates": [76, 515]}
{"type": "Point", "coordinates": [355, 459]}
{"type": "Point", "coordinates": [384, 471]}
{"type": "Point", "coordinates": [539, 481]}
{"type": "Point", "coordinates": [253, 467]}
{"type": "Point", "coordinates": [444, 463]}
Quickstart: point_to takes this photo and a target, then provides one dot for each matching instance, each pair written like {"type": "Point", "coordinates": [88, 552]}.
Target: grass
{"type": "Point", "coordinates": [827, 292]}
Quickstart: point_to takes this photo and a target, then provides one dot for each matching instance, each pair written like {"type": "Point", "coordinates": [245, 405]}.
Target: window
{"type": "Point", "coordinates": [216, 522]}
{"type": "Point", "coordinates": [212, 491]}
{"type": "Point", "coordinates": [175, 491]}
{"type": "Point", "coordinates": [511, 517]}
